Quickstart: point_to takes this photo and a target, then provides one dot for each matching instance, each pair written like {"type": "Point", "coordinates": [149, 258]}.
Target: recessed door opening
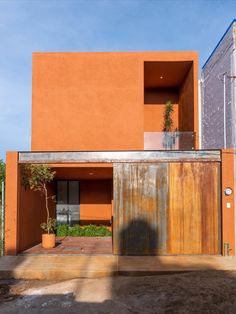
{"type": "Point", "coordinates": [68, 205]}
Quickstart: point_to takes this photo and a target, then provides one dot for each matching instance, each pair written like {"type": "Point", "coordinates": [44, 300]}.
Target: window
{"type": "Point", "coordinates": [68, 209]}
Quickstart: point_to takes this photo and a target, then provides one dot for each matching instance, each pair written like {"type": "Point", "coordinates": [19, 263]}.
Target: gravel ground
{"type": "Point", "coordinates": [192, 292]}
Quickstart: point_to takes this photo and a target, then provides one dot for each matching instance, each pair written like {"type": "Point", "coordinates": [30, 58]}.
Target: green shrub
{"type": "Point", "coordinates": [83, 231]}
{"type": "Point", "coordinates": [103, 231]}
{"type": "Point", "coordinates": [90, 231]}
{"type": "Point", "coordinates": [62, 230]}
{"type": "Point", "coordinates": [76, 231]}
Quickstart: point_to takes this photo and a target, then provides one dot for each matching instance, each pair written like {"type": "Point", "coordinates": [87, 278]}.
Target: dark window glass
{"type": "Point", "coordinates": [62, 192]}
{"type": "Point", "coordinates": [73, 192]}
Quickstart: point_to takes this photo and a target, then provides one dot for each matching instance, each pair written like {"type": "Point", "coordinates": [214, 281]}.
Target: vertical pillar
{"type": "Point", "coordinates": [228, 224]}
{"type": "Point", "coordinates": [11, 211]}
{"type": "Point", "coordinates": [195, 103]}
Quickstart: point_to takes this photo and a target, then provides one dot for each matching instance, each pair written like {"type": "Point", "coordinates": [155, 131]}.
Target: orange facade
{"type": "Point", "coordinates": [97, 102]}
{"type": "Point", "coordinates": [106, 101]}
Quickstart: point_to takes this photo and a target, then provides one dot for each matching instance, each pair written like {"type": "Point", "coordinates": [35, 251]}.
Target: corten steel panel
{"type": "Point", "coordinates": [167, 208]}
{"type": "Point", "coordinates": [117, 156]}
{"type": "Point", "coordinates": [194, 208]}
{"type": "Point", "coordinates": [140, 204]}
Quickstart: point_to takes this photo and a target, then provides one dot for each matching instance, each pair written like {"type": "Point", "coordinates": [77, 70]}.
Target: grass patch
{"type": "Point", "coordinates": [82, 231]}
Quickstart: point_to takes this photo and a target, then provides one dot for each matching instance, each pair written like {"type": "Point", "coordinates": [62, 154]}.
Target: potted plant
{"type": "Point", "coordinates": [36, 177]}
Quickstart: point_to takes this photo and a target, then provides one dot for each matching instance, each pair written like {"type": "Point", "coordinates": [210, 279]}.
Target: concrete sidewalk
{"type": "Point", "coordinates": [58, 267]}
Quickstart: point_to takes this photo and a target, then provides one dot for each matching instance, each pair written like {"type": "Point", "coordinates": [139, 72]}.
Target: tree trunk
{"type": "Point", "coordinates": [46, 203]}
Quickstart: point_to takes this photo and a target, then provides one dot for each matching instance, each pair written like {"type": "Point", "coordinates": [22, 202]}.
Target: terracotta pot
{"type": "Point", "coordinates": [48, 240]}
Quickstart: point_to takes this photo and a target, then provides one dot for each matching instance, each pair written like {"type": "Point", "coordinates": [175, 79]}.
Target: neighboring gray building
{"type": "Point", "coordinates": [218, 94]}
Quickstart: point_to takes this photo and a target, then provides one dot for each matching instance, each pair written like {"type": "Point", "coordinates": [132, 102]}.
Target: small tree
{"type": "Point", "coordinates": [168, 120]}
{"type": "Point", "coordinates": [36, 177]}
{"type": "Point", "coordinates": [2, 176]}
{"type": "Point", "coordinates": [169, 138]}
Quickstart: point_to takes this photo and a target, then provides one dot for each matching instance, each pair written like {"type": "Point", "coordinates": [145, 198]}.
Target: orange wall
{"type": "Point", "coordinates": [83, 171]}
{"type": "Point", "coordinates": [186, 108]}
{"type": "Point", "coordinates": [161, 95]}
{"type": "Point", "coordinates": [24, 210]}
{"type": "Point", "coordinates": [32, 213]}
{"type": "Point", "coordinates": [95, 190]}
{"type": "Point", "coordinates": [85, 101]}
{"type": "Point", "coordinates": [153, 118]}
{"type": "Point", "coordinates": [95, 200]}
{"type": "Point", "coordinates": [228, 232]}
{"type": "Point", "coordinates": [11, 215]}
{"type": "Point", "coordinates": [92, 101]}
{"type": "Point", "coordinates": [188, 104]}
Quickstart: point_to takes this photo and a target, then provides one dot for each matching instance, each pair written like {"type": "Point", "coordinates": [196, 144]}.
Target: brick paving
{"type": "Point", "coordinates": [75, 245]}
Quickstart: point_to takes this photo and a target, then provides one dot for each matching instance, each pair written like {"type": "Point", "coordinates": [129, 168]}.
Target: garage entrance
{"type": "Point", "coordinates": [167, 208]}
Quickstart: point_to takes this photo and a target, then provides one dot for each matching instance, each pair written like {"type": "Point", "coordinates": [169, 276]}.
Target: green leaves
{"type": "Point", "coordinates": [168, 121]}
{"type": "Point", "coordinates": [36, 177]}
{"type": "Point", "coordinates": [62, 230]}
{"type": "Point", "coordinates": [2, 170]}
{"type": "Point", "coordinates": [83, 231]}
{"type": "Point", "coordinates": [49, 226]}
{"type": "Point", "coordinates": [2, 176]}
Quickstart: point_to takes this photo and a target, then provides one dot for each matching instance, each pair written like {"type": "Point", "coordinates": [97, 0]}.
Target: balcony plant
{"type": "Point", "coordinates": [36, 178]}
{"type": "Point", "coordinates": [168, 119]}
{"type": "Point", "coordinates": [169, 134]}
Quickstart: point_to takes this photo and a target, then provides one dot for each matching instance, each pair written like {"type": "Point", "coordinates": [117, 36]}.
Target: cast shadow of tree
{"type": "Point", "coordinates": [138, 239]}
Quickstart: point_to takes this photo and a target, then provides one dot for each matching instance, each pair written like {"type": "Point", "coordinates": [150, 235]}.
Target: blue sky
{"type": "Point", "coordinates": [93, 25]}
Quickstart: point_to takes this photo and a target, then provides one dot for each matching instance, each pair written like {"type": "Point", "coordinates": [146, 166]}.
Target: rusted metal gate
{"type": "Point", "coordinates": [167, 208]}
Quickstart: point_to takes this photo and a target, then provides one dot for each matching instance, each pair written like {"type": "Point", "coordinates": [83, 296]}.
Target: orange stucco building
{"type": "Point", "coordinates": [93, 113]}
{"type": "Point", "coordinates": [107, 101]}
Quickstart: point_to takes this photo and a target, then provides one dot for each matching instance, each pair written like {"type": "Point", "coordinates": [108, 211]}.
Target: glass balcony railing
{"type": "Point", "coordinates": [168, 140]}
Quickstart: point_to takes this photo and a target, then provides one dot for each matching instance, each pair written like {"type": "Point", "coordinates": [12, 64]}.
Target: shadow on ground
{"type": "Point", "coordinates": [210, 291]}
{"type": "Point", "coordinates": [193, 292]}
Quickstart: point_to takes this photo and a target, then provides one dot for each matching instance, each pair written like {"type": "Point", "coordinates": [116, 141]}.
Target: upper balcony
{"type": "Point", "coordinates": [169, 140]}
{"type": "Point", "coordinates": [169, 82]}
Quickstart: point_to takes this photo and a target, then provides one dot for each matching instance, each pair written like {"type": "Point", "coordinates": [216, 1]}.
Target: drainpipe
{"type": "Point", "coordinates": [200, 104]}
{"type": "Point", "coordinates": [234, 105]}
{"type": "Point", "coordinates": [224, 75]}
{"type": "Point", "coordinates": [233, 99]}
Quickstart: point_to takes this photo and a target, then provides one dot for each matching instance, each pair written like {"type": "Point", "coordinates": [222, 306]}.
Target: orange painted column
{"type": "Point", "coordinates": [11, 209]}
{"type": "Point", "coordinates": [228, 224]}
{"type": "Point", "coordinates": [195, 107]}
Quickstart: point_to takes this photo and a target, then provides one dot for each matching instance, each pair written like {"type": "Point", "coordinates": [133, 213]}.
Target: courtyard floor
{"type": "Point", "coordinates": [75, 245]}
